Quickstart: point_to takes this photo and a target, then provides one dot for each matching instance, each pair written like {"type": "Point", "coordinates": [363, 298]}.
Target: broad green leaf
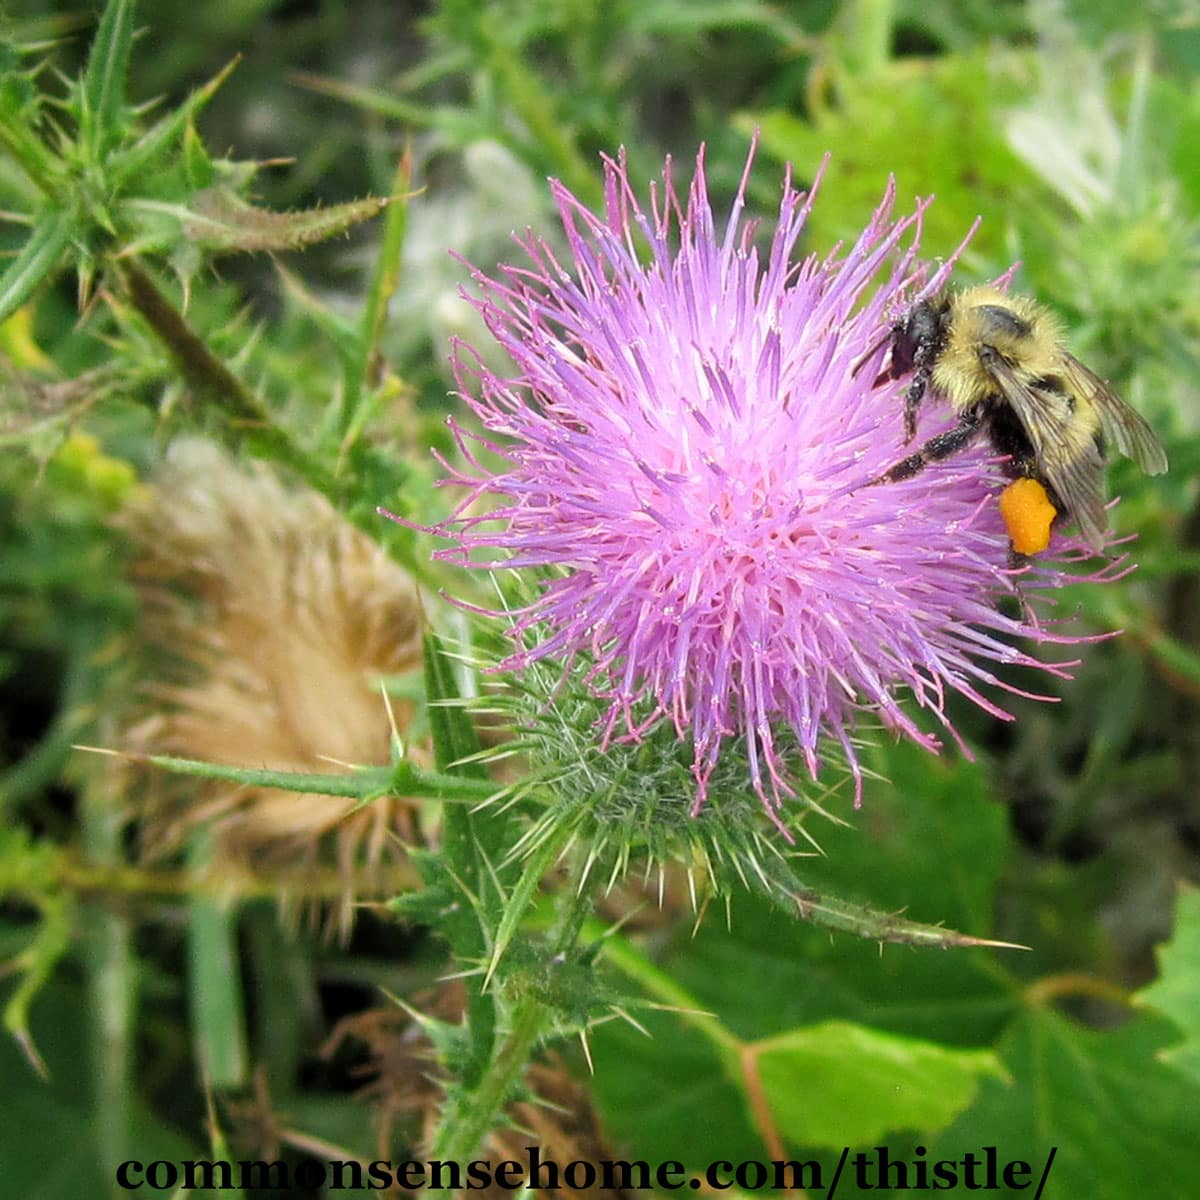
{"type": "Point", "coordinates": [1116, 1115]}
{"type": "Point", "coordinates": [1176, 991]}
{"type": "Point", "coordinates": [668, 1095]}
{"type": "Point", "coordinates": [930, 842]}
{"type": "Point", "coordinates": [841, 1084]}
{"type": "Point", "coordinates": [929, 838]}
{"type": "Point", "coordinates": [37, 260]}
{"type": "Point", "coordinates": [48, 1141]}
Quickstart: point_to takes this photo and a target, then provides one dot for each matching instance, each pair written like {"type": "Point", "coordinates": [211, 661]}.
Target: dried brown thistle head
{"type": "Point", "coordinates": [268, 624]}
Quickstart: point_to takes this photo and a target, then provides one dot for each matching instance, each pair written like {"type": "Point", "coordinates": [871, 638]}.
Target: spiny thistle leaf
{"type": "Point", "coordinates": [364, 784]}
{"type": "Point", "coordinates": [142, 154]}
{"type": "Point", "coordinates": [833, 913]}
{"type": "Point", "coordinates": [469, 844]}
{"type": "Point", "coordinates": [222, 222]}
{"type": "Point", "coordinates": [104, 81]}
{"type": "Point", "coordinates": [38, 258]}
{"type": "Point", "coordinates": [197, 162]}
{"type": "Point", "coordinates": [20, 115]}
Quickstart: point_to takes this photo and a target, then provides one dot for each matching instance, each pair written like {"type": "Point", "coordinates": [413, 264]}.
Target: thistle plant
{"type": "Point", "coordinates": [684, 461]}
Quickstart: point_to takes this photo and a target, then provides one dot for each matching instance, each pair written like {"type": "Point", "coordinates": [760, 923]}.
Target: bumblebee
{"type": "Point", "coordinates": [1000, 363]}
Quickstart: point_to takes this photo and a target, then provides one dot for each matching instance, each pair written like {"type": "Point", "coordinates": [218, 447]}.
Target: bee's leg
{"type": "Point", "coordinates": [935, 449]}
{"type": "Point", "coordinates": [924, 356]}
{"type": "Point", "coordinates": [913, 398]}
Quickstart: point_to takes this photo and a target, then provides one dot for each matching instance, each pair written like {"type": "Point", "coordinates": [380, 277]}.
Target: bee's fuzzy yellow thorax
{"type": "Point", "coordinates": [1015, 326]}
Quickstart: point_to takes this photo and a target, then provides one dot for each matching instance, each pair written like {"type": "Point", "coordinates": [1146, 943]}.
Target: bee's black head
{"type": "Point", "coordinates": [919, 335]}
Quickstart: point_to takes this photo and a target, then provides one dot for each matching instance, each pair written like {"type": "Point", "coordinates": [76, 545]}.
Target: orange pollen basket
{"type": "Point", "coordinates": [1028, 515]}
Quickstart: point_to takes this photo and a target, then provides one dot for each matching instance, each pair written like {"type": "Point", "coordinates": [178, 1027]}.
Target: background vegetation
{"type": "Point", "coordinates": [153, 295]}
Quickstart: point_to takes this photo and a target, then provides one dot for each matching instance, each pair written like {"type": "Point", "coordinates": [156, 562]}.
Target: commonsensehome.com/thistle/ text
{"type": "Point", "coordinates": [878, 1170]}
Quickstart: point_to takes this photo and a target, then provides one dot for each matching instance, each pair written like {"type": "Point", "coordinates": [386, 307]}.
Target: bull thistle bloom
{"type": "Point", "coordinates": [687, 443]}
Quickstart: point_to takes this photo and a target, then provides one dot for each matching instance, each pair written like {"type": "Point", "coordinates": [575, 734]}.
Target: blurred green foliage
{"type": "Point", "coordinates": [153, 196]}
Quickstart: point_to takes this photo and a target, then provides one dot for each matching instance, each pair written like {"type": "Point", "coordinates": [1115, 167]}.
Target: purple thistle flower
{"type": "Point", "coordinates": [687, 440]}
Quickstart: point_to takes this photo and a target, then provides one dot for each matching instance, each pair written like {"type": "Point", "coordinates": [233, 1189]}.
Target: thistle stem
{"type": "Point", "coordinates": [869, 27]}
{"type": "Point", "coordinates": [110, 966]}
{"type": "Point", "coordinates": [211, 377]}
{"type": "Point", "coordinates": [466, 1124]}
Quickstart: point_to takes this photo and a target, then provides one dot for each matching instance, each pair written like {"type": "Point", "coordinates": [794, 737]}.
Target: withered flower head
{"type": "Point", "coordinates": [270, 622]}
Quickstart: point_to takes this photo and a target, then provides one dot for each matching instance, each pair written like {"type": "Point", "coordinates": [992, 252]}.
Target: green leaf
{"type": "Point", "coordinates": [930, 842]}
{"type": "Point", "coordinates": [1176, 991]}
{"type": "Point", "coordinates": [1116, 1115]}
{"type": "Point", "coordinates": [533, 869]}
{"type": "Point", "coordinates": [48, 1141]}
{"type": "Point", "coordinates": [454, 737]}
{"type": "Point", "coordinates": [458, 125]}
{"type": "Point", "coordinates": [841, 1084]}
{"type": "Point", "coordinates": [383, 284]}
{"type": "Point", "coordinates": [144, 154]}
{"type": "Point", "coordinates": [37, 260]}
{"type": "Point", "coordinates": [104, 79]}
{"type": "Point", "coordinates": [214, 979]}
{"type": "Point", "coordinates": [197, 163]}
{"type": "Point", "coordinates": [36, 965]}
{"type": "Point", "coordinates": [30, 873]}
{"type": "Point", "coordinates": [20, 121]}
{"type": "Point", "coordinates": [668, 1095]}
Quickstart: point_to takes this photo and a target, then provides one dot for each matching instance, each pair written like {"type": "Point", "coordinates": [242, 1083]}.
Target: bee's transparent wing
{"type": "Point", "coordinates": [1123, 426]}
{"type": "Point", "coordinates": [1073, 464]}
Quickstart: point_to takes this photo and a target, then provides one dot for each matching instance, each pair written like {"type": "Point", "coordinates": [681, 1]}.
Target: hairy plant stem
{"type": "Point", "coordinates": [213, 379]}
{"type": "Point", "coordinates": [465, 1125]}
